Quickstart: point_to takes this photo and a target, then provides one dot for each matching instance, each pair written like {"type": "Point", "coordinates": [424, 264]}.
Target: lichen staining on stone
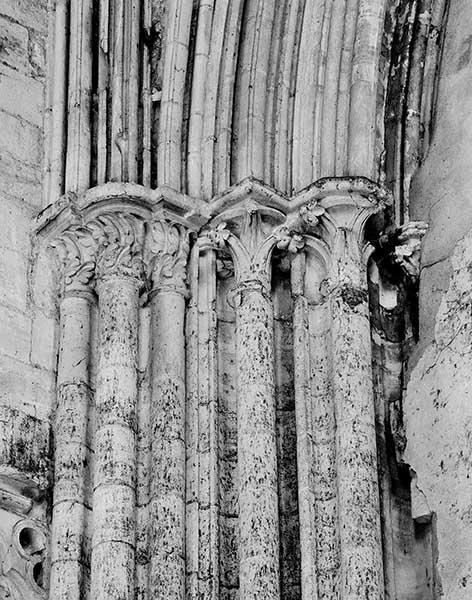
{"type": "Point", "coordinates": [221, 375]}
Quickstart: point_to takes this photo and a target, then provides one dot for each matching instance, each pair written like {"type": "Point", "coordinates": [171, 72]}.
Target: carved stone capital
{"type": "Point", "coordinates": [337, 210]}
{"type": "Point", "coordinates": [402, 247]}
{"type": "Point", "coordinates": [76, 252]}
{"type": "Point", "coordinates": [338, 204]}
{"type": "Point", "coordinates": [251, 234]}
{"type": "Point", "coordinates": [167, 251]}
{"type": "Point", "coordinates": [119, 238]}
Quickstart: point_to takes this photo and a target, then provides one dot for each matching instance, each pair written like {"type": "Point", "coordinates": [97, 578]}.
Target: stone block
{"type": "Point", "coordinates": [21, 140]}
{"type": "Point", "coordinates": [15, 332]}
{"type": "Point", "coordinates": [13, 274]}
{"type": "Point", "coordinates": [26, 388]}
{"type": "Point", "coordinates": [13, 44]}
{"type": "Point", "coordinates": [30, 14]}
{"type": "Point", "coordinates": [19, 181]}
{"type": "Point", "coordinates": [44, 283]}
{"type": "Point", "coordinates": [25, 444]}
{"type": "Point", "coordinates": [44, 339]}
{"type": "Point", "coordinates": [21, 95]}
{"type": "Point", "coordinates": [15, 219]}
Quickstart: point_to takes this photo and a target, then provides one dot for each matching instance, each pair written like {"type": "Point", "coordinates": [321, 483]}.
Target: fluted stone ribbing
{"type": "Point", "coordinates": [191, 432]}
{"type": "Point", "coordinates": [208, 487]}
{"type": "Point", "coordinates": [305, 442]}
{"type": "Point", "coordinates": [202, 551]}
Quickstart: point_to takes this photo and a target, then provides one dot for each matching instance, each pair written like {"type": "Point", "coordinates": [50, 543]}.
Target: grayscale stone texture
{"type": "Point", "coordinates": [235, 299]}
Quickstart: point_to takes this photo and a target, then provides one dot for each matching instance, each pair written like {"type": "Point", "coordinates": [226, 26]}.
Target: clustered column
{"type": "Point", "coordinates": [344, 218]}
{"type": "Point", "coordinates": [126, 254]}
{"type": "Point", "coordinates": [117, 252]}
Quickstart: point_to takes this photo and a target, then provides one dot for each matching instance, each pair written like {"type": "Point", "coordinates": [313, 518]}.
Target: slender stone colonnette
{"type": "Point", "coordinates": [251, 244]}
{"type": "Point", "coordinates": [75, 250]}
{"type": "Point", "coordinates": [121, 256]}
{"type": "Point", "coordinates": [125, 252]}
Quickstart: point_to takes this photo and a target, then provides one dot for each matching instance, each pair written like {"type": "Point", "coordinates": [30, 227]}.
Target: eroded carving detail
{"type": "Point", "coordinates": [251, 242]}
{"type": "Point", "coordinates": [402, 247]}
{"type": "Point", "coordinates": [407, 252]}
{"type": "Point", "coordinates": [119, 239]}
{"type": "Point", "coordinates": [22, 558]}
{"type": "Point", "coordinates": [167, 251]}
{"type": "Point", "coordinates": [311, 213]}
{"type": "Point", "coordinates": [75, 249]}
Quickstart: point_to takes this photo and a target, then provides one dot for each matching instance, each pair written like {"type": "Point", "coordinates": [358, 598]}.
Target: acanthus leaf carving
{"type": "Point", "coordinates": [167, 250]}
{"type": "Point", "coordinates": [119, 239]}
{"type": "Point", "coordinates": [251, 242]}
{"type": "Point", "coordinates": [76, 251]}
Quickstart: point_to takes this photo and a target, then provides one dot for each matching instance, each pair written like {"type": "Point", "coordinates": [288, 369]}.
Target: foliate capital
{"type": "Point", "coordinates": [75, 250]}
{"type": "Point", "coordinates": [340, 207]}
{"type": "Point", "coordinates": [119, 238]}
{"type": "Point", "coordinates": [166, 253]}
{"type": "Point", "coordinates": [251, 236]}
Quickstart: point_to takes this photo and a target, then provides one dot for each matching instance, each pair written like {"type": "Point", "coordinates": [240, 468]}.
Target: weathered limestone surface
{"type": "Point", "coordinates": [169, 252]}
{"type": "Point", "coordinates": [26, 316]}
{"type": "Point", "coordinates": [28, 319]}
{"type": "Point", "coordinates": [256, 411]}
{"type": "Point", "coordinates": [71, 451]}
{"type": "Point", "coordinates": [437, 403]}
{"type": "Point", "coordinates": [438, 421]}
{"type": "Point", "coordinates": [214, 431]}
{"type": "Point", "coordinates": [446, 207]}
{"type": "Point", "coordinates": [120, 272]}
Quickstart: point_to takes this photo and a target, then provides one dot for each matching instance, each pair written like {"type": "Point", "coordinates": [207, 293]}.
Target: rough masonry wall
{"type": "Point", "coordinates": [438, 413]}
{"type": "Point", "coordinates": [26, 323]}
